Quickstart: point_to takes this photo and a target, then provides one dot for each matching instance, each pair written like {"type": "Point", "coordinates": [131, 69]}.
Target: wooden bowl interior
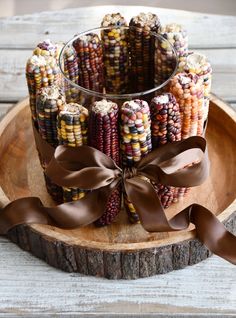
{"type": "Point", "coordinates": [21, 175]}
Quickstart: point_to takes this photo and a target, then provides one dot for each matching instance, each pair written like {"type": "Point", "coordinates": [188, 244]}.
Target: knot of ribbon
{"type": "Point", "coordinates": [130, 172]}
{"type": "Point", "coordinates": [180, 164]}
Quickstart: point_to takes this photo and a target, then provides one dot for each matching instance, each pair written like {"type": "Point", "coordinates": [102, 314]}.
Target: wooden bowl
{"type": "Point", "coordinates": [120, 250]}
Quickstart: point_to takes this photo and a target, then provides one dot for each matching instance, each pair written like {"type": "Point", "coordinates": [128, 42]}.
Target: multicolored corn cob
{"type": "Point", "coordinates": [165, 127]}
{"type": "Point", "coordinates": [71, 71]}
{"type": "Point", "coordinates": [182, 61]}
{"type": "Point", "coordinates": [49, 102]}
{"type": "Point", "coordinates": [90, 61]}
{"type": "Point", "coordinates": [116, 55]}
{"type": "Point", "coordinates": [177, 35]}
{"type": "Point", "coordinates": [198, 64]}
{"type": "Point", "coordinates": [40, 72]}
{"type": "Point", "coordinates": [73, 132]}
{"type": "Point", "coordinates": [165, 120]}
{"type": "Point", "coordinates": [104, 136]}
{"type": "Point", "coordinates": [48, 48]}
{"type": "Point", "coordinates": [188, 90]}
{"type": "Point", "coordinates": [135, 131]}
{"type": "Point", "coordinates": [142, 47]}
{"type": "Point", "coordinates": [165, 61]}
{"type": "Point", "coordinates": [71, 67]}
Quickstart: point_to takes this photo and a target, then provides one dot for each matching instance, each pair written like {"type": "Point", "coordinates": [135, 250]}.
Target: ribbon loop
{"type": "Point", "coordinates": [83, 167]}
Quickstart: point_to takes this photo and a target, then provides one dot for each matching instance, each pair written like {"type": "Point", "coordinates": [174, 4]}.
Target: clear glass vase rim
{"type": "Point", "coordinates": [114, 96]}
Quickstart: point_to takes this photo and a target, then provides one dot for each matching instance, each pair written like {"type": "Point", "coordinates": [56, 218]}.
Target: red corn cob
{"type": "Point", "coordinates": [103, 135]}
{"type": "Point", "coordinates": [90, 61]}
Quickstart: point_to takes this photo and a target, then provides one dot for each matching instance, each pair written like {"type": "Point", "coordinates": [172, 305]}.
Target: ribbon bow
{"type": "Point", "coordinates": [89, 169]}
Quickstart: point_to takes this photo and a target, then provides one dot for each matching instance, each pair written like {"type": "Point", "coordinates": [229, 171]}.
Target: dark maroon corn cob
{"type": "Point", "coordinates": [165, 127]}
{"type": "Point", "coordinates": [90, 61]}
{"type": "Point", "coordinates": [103, 135]}
{"type": "Point", "coordinates": [142, 47]}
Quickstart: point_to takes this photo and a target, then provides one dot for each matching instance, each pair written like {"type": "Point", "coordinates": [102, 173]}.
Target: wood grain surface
{"type": "Point", "coordinates": [30, 288]}
{"type": "Point", "coordinates": [63, 25]}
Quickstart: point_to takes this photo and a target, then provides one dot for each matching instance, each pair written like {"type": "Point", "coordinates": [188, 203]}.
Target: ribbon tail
{"type": "Point", "coordinates": [67, 215]}
{"type": "Point", "coordinates": [210, 231]}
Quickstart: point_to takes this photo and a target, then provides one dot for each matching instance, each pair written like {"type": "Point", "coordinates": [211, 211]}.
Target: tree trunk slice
{"type": "Point", "coordinates": [121, 250]}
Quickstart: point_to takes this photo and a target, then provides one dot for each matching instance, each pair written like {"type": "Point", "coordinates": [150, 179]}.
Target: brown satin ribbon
{"type": "Point", "coordinates": [87, 168]}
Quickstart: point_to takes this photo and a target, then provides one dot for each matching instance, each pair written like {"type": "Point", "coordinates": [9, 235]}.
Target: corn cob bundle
{"type": "Point", "coordinates": [90, 61]}
{"type": "Point", "coordinates": [165, 128]}
{"type": "Point", "coordinates": [47, 48]}
{"type": "Point", "coordinates": [188, 90]}
{"type": "Point", "coordinates": [116, 55]}
{"type": "Point", "coordinates": [135, 130]}
{"type": "Point", "coordinates": [142, 46]}
{"type": "Point", "coordinates": [73, 132]}
{"type": "Point", "coordinates": [198, 64]}
{"type": "Point", "coordinates": [165, 61]}
{"type": "Point", "coordinates": [104, 136]}
{"type": "Point", "coordinates": [40, 72]}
